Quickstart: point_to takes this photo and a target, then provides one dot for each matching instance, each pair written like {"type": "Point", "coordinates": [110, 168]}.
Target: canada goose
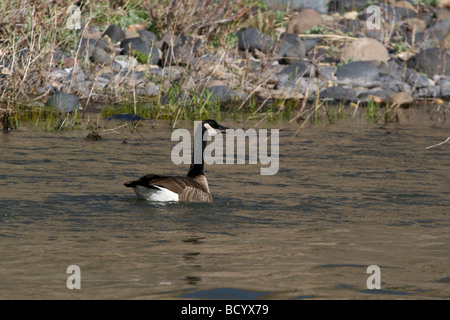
{"type": "Point", "coordinates": [190, 188]}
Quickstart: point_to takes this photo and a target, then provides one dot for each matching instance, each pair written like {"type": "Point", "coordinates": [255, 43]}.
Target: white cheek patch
{"type": "Point", "coordinates": [211, 131]}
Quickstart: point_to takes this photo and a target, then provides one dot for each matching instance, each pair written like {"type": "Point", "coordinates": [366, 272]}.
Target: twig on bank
{"type": "Point", "coordinates": [252, 93]}
{"type": "Point", "coordinates": [327, 36]}
{"type": "Point", "coordinates": [435, 145]}
{"type": "Point", "coordinates": [113, 130]}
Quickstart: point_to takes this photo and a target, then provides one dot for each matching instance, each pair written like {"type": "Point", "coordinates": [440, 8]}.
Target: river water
{"type": "Point", "coordinates": [346, 196]}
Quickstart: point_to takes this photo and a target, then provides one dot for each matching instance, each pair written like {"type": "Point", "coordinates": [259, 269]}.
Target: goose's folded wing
{"type": "Point", "coordinates": [174, 184]}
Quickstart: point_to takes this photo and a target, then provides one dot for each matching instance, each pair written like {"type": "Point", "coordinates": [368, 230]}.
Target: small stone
{"type": "Point", "coordinates": [58, 74]}
{"type": "Point", "coordinates": [126, 61]}
{"type": "Point", "coordinates": [415, 24]}
{"type": "Point", "coordinates": [137, 26]}
{"type": "Point", "coordinates": [442, 14]}
{"type": "Point", "coordinates": [93, 136]}
{"type": "Point", "coordinates": [101, 56]}
{"type": "Point", "coordinates": [304, 21]}
{"type": "Point", "coordinates": [129, 34]}
{"type": "Point", "coordinates": [101, 82]}
{"type": "Point", "coordinates": [405, 10]}
{"type": "Point", "coordinates": [365, 49]}
{"type": "Point", "coordinates": [444, 3]}
{"type": "Point", "coordinates": [352, 15]}
{"type": "Point", "coordinates": [82, 89]}
{"type": "Point", "coordinates": [77, 76]}
{"type": "Point", "coordinates": [69, 63]}
{"type": "Point", "coordinates": [400, 98]}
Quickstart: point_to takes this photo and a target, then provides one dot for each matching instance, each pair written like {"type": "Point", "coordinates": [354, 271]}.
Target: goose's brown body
{"type": "Point", "coordinates": [188, 189]}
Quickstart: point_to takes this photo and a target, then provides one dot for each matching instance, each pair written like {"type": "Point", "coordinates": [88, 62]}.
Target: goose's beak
{"type": "Point", "coordinates": [222, 128]}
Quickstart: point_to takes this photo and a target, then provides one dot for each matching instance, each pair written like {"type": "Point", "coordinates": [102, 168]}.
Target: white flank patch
{"type": "Point", "coordinates": [160, 194]}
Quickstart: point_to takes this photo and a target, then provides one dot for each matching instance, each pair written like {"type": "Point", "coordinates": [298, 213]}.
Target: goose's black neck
{"type": "Point", "coordinates": [197, 167]}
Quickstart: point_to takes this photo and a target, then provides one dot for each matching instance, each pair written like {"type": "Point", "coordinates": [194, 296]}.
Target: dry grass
{"type": "Point", "coordinates": [33, 33]}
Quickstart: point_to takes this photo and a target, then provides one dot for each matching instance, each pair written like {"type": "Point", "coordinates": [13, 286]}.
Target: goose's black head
{"type": "Point", "coordinates": [212, 127]}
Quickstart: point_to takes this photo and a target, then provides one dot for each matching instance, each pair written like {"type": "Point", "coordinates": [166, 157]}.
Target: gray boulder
{"type": "Point", "coordinates": [291, 49]}
{"type": "Point", "coordinates": [142, 45]}
{"type": "Point", "coordinates": [432, 35]}
{"type": "Point", "coordinates": [433, 61]}
{"type": "Point", "coordinates": [297, 70]}
{"type": "Point", "coordinates": [338, 94]}
{"type": "Point", "coordinates": [444, 83]}
{"type": "Point", "coordinates": [148, 36]}
{"type": "Point", "coordinates": [251, 39]}
{"type": "Point", "coordinates": [375, 92]}
{"type": "Point", "coordinates": [430, 92]}
{"type": "Point", "coordinates": [310, 43]}
{"type": "Point", "coordinates": [391, 68]}
{"type": "Point", "coordinates": [63, 102]}
{"type": "Point", "coordinates": [86, 47]}
{"type": "Point", "coordinates": [115, 33]}
{"type": "Point", "coordinates": [394, 84]}
{"type": "Point", "coordinates": [224, 94]}
{"type": "Point", "coordinates": [183, 51]}
{"type": "Point", "coordinates": [103, 44]}
{"type": "Point", "coordinates": [327, 72]}
{"type": "Point", "coordinates": [416, 80]}
{"type": "Point", "coordinates": [358, 73]}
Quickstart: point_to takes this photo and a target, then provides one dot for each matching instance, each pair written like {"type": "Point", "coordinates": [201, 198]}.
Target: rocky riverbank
{"type": "Point", "coordinates": [335, 55]}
